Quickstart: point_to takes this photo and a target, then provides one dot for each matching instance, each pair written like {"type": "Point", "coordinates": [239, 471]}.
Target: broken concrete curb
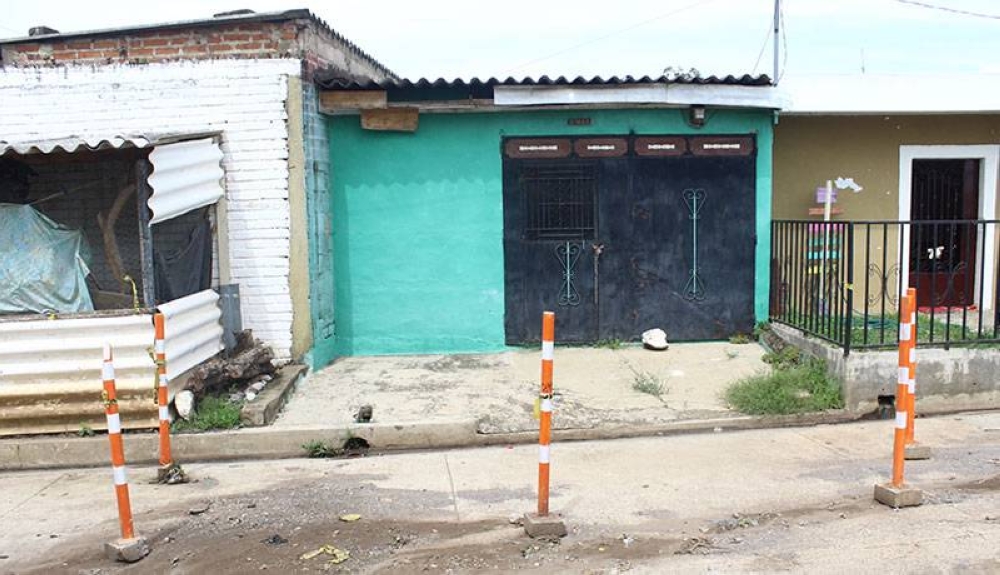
{"type": "Point", "coordinates": [264, 409]}
{"type": "Point", "coordinates": [287, 442]}
{"type": "Point", "coordinates": [252, 443]}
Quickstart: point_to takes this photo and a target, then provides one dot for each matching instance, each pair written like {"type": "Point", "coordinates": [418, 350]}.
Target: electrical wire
{"type": "Point", "coordinates": [951, 10]}
{"type": "Point", "coordinates": [606, 36]}
{"type": "Point", "coordinates": [762, 47]}
{"type": "Point", "coordinates": [784, 42]}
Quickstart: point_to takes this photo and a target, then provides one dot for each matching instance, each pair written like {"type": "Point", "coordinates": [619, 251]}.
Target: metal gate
{"type": "Point", "coordinates": [623, 234]}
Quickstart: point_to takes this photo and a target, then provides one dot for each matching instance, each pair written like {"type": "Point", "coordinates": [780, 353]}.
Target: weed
{"type": "Point", "coordinates": [211, 413]}
{"type": "Point", "coordinates": [787, 358]}
{"type": "Point", "coordinates": [85, 430]}
{"type": "Point", "coordinates": [646, 382]}
{"type": "Point", "coordinates": [612, 343]}
{"type": "Point", "coordinates": [318, 449]}
{"type": "Point", "coordinates": [760, 328]}
{"type": "Point", "coordinates": [740, 338]}
{"type": "Point", "coordinates": [797, 387]}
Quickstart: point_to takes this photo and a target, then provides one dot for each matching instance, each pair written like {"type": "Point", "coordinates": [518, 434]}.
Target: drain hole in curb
{"type": "Point", "coordinates": [355, 446]}
{"type": "Point", "coordinates": [886, 406]}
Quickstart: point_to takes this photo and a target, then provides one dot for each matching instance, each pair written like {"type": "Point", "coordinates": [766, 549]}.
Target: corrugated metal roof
{"type": "Point", "coordinates": [186, 176]}
{"type": "Point", "coordinates": [74, 144]}
{"type": "Point", "coordinates": [70, 144]}
{"type": "Point", "coordinates": [331, 80]}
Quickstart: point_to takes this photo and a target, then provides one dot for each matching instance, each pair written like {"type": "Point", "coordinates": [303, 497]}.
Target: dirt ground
{"type": "Point", "coordinates": [593, 386]}
{"type": "Point", "coordinates": [275, 532]}
{"type": "Point", "coordinates": [780, 500]}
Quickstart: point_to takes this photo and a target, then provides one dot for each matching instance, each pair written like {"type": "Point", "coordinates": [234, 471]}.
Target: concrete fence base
{"type": "Point", "coordinates": [956, 379]}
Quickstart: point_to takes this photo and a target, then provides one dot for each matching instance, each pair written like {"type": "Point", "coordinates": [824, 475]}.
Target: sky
{"type": "Point", "coordinates": [438, 38]}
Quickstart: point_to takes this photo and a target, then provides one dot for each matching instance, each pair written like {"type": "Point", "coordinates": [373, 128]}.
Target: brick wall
{"type": "Point", "coordinates": [305, 39]}
{"type": "Point", "coordinates": [247, 40]}
{"type": "Point", "coordinates": [242, 99]}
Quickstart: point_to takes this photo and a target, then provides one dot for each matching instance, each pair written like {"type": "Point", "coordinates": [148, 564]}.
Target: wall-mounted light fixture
{"type": "Point", "coordinates": [696, 115]}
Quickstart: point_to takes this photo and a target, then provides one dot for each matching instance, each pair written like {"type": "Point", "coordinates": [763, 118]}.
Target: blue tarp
{"type": "Point", "coordinates": [42, 265]}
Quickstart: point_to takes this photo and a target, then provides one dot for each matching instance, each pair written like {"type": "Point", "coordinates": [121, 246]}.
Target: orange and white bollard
{"type": "Point", "coordinates": [169, 472]}
{"type": "Point", "coordinates": [542, 524]}
{"type": "Point", "coordinates": [129, 548]}
{"type": "Point", "coordinates": [913, 450]}
{"type": "Point", "coordinates": [545, 399]}
{"type": "Point", "coordinates": [897, 493]}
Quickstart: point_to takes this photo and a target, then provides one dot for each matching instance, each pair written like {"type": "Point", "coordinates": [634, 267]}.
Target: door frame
{"type": "Point", "coordinates": [989, 174]}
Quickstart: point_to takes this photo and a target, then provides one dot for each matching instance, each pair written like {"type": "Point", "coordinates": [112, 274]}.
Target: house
{"type": "Point", "coordinates": [159, 167]}
{"type": "Point", "coordinates": [463, 209]}
{"type": "Point", "coordinates": [913, 165]}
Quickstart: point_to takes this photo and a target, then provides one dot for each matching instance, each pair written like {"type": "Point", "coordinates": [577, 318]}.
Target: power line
{"type": "Point", "coordinates": [951, 10]}
{"type": "Point", "coordinates": [762, 47]}
{"type": "Point", "coordinates": [606, 36]}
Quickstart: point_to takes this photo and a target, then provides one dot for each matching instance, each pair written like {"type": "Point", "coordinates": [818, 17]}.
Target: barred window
{"type": "Point", "coordinates": [560, 201]}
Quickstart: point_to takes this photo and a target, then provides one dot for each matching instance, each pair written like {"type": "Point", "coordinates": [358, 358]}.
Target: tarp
{"type": "Point", "coordinates": [42, 265]}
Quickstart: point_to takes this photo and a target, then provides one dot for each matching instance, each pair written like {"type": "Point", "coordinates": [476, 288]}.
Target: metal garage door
{"type": "Point", "coordinates": [623, 234]}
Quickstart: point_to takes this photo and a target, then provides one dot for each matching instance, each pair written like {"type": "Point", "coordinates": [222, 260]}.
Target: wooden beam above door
{"type": "Point", "coordinates": [337, 100]}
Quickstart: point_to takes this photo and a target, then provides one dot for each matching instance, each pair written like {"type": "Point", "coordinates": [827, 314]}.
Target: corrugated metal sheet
{"type": "Point", "coordinates": [334, 80]}
{"type": "Point", "coordinates": [193, 327]}
{"type": "Point", "coordinates": [186, 176]}
{"type": "Point", "coordinates": [50, 372]}
{"type": "Point", "coordinates": [75, 144]}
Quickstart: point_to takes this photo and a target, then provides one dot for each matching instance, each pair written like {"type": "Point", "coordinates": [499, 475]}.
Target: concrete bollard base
{"type": "Point", "coordinates": [549, 526]}
{"type": "Point", "coordinates": [915, 451]}
{"type": "Point", "coordinates": [896, 497]}
{"type": "Point", "coordinates": [171, 474]}
{"type": "Point", "coordinates": [127, 550]}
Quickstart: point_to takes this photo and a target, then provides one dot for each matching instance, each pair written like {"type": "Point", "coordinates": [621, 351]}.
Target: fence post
{"type": "Point", "coordinates": [849, 262]}
{"type": "Point", "coordinates": [542, 524]}
{"type": "Point", "coordinates": [897, 493]}
{"type": "Point", "coordinates": [129, 548]}
{"type": "Point", "coordinates": [169, 471]}
{"type": "Point", "coordinates": [913, 449]}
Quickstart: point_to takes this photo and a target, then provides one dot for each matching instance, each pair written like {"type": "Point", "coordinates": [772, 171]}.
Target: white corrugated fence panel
{"type": "Point", "coordinates": [185, 176]}
{"type": "Point", "coordinates": [59, 350]}
{"type": "Point", "coordinates": [193, 330]}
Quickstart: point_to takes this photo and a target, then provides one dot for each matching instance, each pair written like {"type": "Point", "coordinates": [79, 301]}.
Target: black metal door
{"type": "Point", "coordinates": [690, 262]}
{"type": "Point", "coordinates": [550, 221]}
{"type": "Point", "coordinates": [619, 245]}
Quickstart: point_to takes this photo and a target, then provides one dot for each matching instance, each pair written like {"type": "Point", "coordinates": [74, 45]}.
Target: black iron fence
{"type": "Point", "coordinates": [842, 281]}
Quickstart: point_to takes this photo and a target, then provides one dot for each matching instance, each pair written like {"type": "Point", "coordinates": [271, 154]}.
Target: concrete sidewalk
{"type": "Point", "coordinates": [795, 500]}
{"type": "Point", "coordinates": [595, 387]}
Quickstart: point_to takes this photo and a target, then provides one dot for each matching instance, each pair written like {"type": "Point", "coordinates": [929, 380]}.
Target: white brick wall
{"type": "Point", "coordinates": [245, 99]}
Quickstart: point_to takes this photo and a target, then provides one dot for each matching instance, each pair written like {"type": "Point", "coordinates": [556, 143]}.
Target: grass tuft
{"type": "Point", "coordinates": [612, 343]}
{"type": "Point", "coordinates": [317, 449]}
{"type": "Point", "coordinates": [790, 387]}
{"type": "Point", "coordinates": [211, 413]}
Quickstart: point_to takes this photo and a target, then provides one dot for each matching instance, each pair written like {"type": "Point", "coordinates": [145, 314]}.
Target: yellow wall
{"type": "Point", "coordinates": [808, 150]}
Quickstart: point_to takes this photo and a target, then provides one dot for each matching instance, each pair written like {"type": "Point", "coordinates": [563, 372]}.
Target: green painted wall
{"type": "Point", "coordinates": [418, 221]}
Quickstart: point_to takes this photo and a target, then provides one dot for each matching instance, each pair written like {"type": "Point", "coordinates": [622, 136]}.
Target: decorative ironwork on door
{"type": "Point", "coordinates": [695, 288]}
{"type": "Point", "coordinates": [568, 254]}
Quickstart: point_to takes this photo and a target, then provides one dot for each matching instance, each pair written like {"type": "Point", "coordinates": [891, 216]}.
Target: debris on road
{"type": "Point", "coordinates": [350, 517]}
{"type": "Point", "coordinates": [275, 539]}
{"type": "Point", "coordinates": [199, 508]}
{"type": "Point", "coordinates": [339, 555]}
